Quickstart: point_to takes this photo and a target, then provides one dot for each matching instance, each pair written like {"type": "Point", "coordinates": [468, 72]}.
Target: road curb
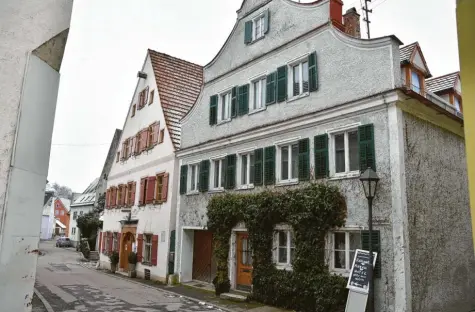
{"type": "Point", "coordinates": [156, 288]}
{"type": "Point", "coordinates": [43, 299]}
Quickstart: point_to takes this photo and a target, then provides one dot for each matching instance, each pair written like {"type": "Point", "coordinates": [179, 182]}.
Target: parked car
{"type": "Point", "coordinates": [64, 242]}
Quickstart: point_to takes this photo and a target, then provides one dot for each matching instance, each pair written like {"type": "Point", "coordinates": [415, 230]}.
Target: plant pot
{"type": "Point", "coordinates": [113, 267]}
{"type": "Point", "coordinates": [131, 267]}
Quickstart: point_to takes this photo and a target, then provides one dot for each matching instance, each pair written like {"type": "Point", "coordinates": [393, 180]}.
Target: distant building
{"type": "Point", "coordinates": [81, 205]}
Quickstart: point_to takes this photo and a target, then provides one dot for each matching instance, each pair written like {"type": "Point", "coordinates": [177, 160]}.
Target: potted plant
{"type": "Point", "coordinates": [114, 259]}
{"type": "Point", "coordinates": [132, 263]}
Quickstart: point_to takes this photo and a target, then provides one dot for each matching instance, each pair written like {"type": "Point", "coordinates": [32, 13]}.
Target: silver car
{"type": "Point", "coordinates": [64, 242]}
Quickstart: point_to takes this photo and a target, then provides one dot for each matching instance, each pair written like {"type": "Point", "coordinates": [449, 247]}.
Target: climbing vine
{"type": "Point", "coordinates": [311, 211]}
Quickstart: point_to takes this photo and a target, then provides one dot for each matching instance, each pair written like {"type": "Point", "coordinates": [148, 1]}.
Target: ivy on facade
{"type": "Point", "coordinates": [311, 211]}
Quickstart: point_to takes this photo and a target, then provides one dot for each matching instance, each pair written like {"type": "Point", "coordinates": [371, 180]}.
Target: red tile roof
{"type": "Point", "coordinates": [179, 83]}
{"type": "Point", "coordinates": [442, 83]}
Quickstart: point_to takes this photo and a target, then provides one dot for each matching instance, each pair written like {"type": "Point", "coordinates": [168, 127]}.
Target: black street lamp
{"type": "Point", "coordinates": [370, 180]}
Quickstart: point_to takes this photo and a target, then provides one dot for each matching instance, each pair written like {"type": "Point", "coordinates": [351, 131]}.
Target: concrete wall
{"type": "Point", "coordinates": [27, 107]}
{"type": "Point", "coordinates": [153, 219]}
{"type": "Point", "coordinates": [192, 211]}
{"type": "Point", "coordinates": [441, 249]}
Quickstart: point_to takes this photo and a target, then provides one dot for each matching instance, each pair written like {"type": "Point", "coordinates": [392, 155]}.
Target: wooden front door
{"type": "Point", "coordinates": [125, 249]}
{"type": "Point", "coordinates": [244, 261]}
{"type": "Point", "coordinates": [204, 266]}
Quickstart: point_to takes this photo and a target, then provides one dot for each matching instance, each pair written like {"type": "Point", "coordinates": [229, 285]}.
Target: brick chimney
{"type": "Point", "coordinates": [351, 21]}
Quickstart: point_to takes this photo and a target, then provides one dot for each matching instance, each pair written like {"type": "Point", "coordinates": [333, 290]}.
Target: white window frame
{"type": "Point", "coordinates": [258, 19]}
{"type": "Point", "coordinates": [290, 81]}
{"type": "Point", "coordinates": [278, 165]}
{"type": "Point", "coordinates": [288, 264]}
{"type": "Point", "coordinates": [330, 258]}
{"type": "Point", "coordinates": [147, 245]}
{"type": "Point", "coordinates": [227, 93]}
{"type": "Point", "coordinates": [190, 169]}
{"type": "Point", "coordinates": [244, 184]}
{"type": "Point", "coordinates": [332, 146]}
{"type": "Point", "coordinates": [73, 231]}
{"type": "Point", "coordinates": [219, 159]}
{"type": "Point", "coordinates": [262, 80]}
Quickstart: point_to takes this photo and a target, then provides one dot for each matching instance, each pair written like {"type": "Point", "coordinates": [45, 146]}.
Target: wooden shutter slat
{"type": "Point", "coordinates": [234, 102]}
{"type": "Point", "coordinates": [119, 235]}
{"type": "Point", "coordinates": [304, 159]}
{"type": "Point", "coordinates": [230, 172]}
{"type": "Point", "coordinates": [183, 179]}
{"type": "Point", "coordinates": [139, 247]}
{"type": "Point", "coordinates": [150, 190]}
{"type": "Point", "coordinates": [104, 237]}
{"type": "Point", "coordinates": [269, 165]}
{"type": "Point", "coordinates": [248, 32]}
{"type": "Point", "coordinates": [99, 247]}
{"type": "Point", "coordinates": [321, 156]}
{"type": "Point", "coordinates": [108, 198]}
{"type": "Point", "coordinates": [366, 147]}
{"type": "Point", "coordinates": [204, 175]}
{"type": "Point", "coordinates": [142, 191]}
{"type": "Point", "coordinates": [243, 100]}
{"type": "Point", "coordinates": [154, 250]}
{"type": "Point", "coordinates": [270, 88]}
{"type": "Point", "coordinates": [145, 96]}
{"type": "Point", "coordinates": [213, 110]}
{"type": "Point", "coordinates": [165, 187]}
{"type": "Point", "coordinates": [282, 83]}
{"type": "Point", "coordinates": [313, 72]}
{"type": "Point", "coordinates": [111, 239]}
{"type": "Point", "coordinates": [376, 246]}
{"type": "Point", "coordinates": [134, 186]}
{"type": "Point", "coordinates": [258, 166]}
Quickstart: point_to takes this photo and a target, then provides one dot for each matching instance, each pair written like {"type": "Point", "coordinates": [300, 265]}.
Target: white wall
{"type": "Point", "coordinates": [73, 223]}
{"type": "Point", "coordinates": [153, 219]}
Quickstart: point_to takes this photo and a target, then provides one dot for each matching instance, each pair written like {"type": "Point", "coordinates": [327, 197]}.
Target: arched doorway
{"type": "Point", "coordinates": [125, 248]}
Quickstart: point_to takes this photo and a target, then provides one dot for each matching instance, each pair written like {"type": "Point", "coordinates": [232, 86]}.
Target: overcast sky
{"type": "Point", "coordinates": [107, 45]}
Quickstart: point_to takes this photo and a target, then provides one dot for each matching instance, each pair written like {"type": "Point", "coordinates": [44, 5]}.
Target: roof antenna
{"type": "Point", "coordinates": [366, 19]}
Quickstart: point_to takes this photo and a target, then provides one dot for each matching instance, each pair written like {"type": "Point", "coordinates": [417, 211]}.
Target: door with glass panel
{"type": "Point", "coordinates": [244, 261]}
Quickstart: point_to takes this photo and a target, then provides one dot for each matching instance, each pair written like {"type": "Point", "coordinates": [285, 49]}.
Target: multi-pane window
{"type": "Point", "coordinates": [194, 171]}
{"type": "Point", "coordinates": [218, 174]}
{"type": "Point", "coordinates": [73, 231]}
{"type": "Point", "coordinates": [285, 247]}
{"type": "Point", "coordinates": [224, 112]}
{"type": "Point", "coordinates": [289, 162]}
{"type": "Point", "coordinates": [258, 28]}
{"type": "Point", "coordinates": [259, 91]}
{"type": "Point", "coordinates": [300, 78]}
{"type": "Point", "coordinates": [56, 212]}
{"type": "Point", "coordinates": [457, 104]}
{"type": "Point", "coordinates": [416, 82]}
{"type": "Point", "coordinates": [62, 212]}
{"type": "Point", "coordinates": [81, 213]}
{"type": "Point", "coordinates": [247, 169]}
{"type": "Point", "coordinates": [344, 245]}
{"type": "Point", "coordinates": [147, 248]}
{"type": "Point", "coordinates": [246, 252]}
{"type": "Point", "coordinates": [159, 187]}
{"type": "Point", "coordinates": [75, 215]}
{"type": "Point", "coordinates": [346, 157]}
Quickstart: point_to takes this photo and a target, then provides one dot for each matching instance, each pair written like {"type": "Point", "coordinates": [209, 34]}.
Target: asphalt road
{"type": "Point", "coordinates": [69, 287]}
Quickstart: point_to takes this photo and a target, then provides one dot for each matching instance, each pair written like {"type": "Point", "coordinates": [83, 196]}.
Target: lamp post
{"type": "Point", "coordinates": [370, 180]}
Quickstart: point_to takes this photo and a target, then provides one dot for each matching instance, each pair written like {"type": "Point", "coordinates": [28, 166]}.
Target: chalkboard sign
{"type": "Point", "coordinates": [359, 279]}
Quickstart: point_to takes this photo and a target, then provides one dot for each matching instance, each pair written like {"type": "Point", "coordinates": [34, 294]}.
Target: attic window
{"type": "Point", "coordinates": [256, 28]}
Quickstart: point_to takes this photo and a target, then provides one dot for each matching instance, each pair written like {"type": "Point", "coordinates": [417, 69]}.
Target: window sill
{"type": "Point", "coordinates": [222, 122]}
{"type": "Point", "coordinates": [245, 187]}
{"type": "Point", "coordinates": [297, 97]}
{"type": "Point", "coordinates": [287, 182]}
{"type": "Point", "coordinates": [158, 202]}
{"type": "Point", "coordinates": [257, 110]}
{"type": "Point", "coordinates": [256, 40]}
{"type": "Point", "coordinates": [149, 264]}
{"type": "Point", "coordinates": [190, 193]}
{"type": "Point", "coordinates": [343, 273]}
{"type": "Point", "coordinates": [349, 175]}
{"type": "Point", "coordinates": [218, 190]}
{"type": "Point", "coordinates": [282, 266]}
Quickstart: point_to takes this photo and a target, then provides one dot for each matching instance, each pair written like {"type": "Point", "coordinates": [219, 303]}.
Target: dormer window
{"type": "Point", "coordinates": [256, 28]}
{"type": "Point", "coordinates": [457, 104]}
{"type": "Point", "coordinates": [415, 82]}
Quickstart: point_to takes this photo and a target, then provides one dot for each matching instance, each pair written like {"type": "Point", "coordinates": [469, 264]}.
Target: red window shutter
{"type": "Point", "coordinates": [154, 249]}
{"type": "Point", "coordinates": [108, 193]}
{"type": "Point", "coordinates": [165, 187]}
{"type": "Point", "coordinates": [144, 140]}
{"type": "Point", "coordinates": [118, 241]}
{"type": "Point", "coordinates": [150, 190]}
{"type": "Point", "coordinates": [131, 146]}
{"type": "Point", "coordinates": [111, 239]}
{"type": "Point", "coordinates": [139, 247]}
{"type": "Point", "coordinates": [99, 247]}
{"type": "Point", "coordinates": [155, 128]}
{"type": "Point", "coordinates": [142, 191]}
{"type": "Point", "coordinates": [146, 95]}
{"type": "Point", "coordinates": [120, 196]}
{"type": "Point", "coordinates": [134, 186]}
{"type": "Point", "coordinates": [104, 237]}
{"type": "Point", "coordinates": [114, 196]}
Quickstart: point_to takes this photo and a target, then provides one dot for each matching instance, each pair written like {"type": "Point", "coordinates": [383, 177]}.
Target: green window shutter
{"type": "Point", "coordinates": [313, 72]}
{"type": "Point", "coordinates": [234, 102]}
{"type": "Point", "coordinates": [213, 110]}
{"type": "Point", "coordinates": [248, 32]}
{"type": "Point", "coordinates": [366, 147]}
{"type": "Point", "coordinates": [266, 21]}
{"type": "Point", "coordinates": [204, 176]}
{"type": "Point", "coordinates": [243, 100]}
{"type": "Point", "coordinates": [230, 172]}
{"type": "Point", "coordinates": [270, 88]}
{"type": "Point", "coordinates": [282, 83]}
{"type": "Point", "coordinates": [258, 166]}
{"type": "Point", "coordinates": [183, 176]}
{"type": "Point", "coordinates": [269, 165]}
{"type": "Point", "coordinates": [321, 156]}
{"type": "Point", "coordinates": [304, 160]}
{"type": "Point", "coordinates": [375, 237]}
